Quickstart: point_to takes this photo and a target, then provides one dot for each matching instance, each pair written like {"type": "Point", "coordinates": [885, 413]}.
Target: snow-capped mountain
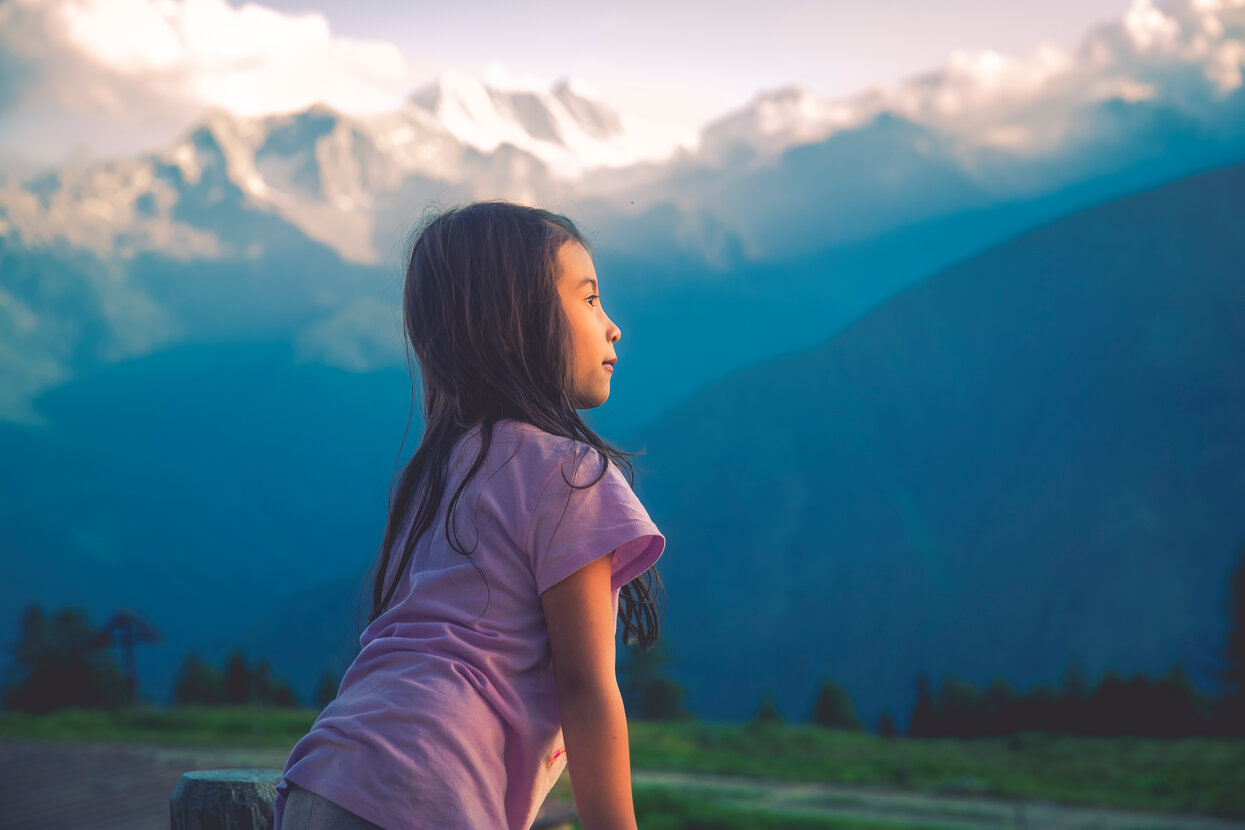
{"type": "Point", "coordinates": [186, 324]}
{"type": "Point", "coordinates": [775, 121]}
{"type": "Point", "coordinates": [329, 174]}
{"type": "Point", "coordinates": [1155, 95]}
{"type": "Point", "coordinates": [1187, 56]}
{"type": "Point", "coordinates": [1010, 127]}
{"type": "Point", "coordinates": [566, 127]}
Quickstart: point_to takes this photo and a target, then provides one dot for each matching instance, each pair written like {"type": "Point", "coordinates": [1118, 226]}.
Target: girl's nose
{"type": "Point", "coordinates": [614, 333]}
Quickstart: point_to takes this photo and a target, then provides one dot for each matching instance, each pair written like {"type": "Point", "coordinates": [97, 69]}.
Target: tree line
{"type": "Point", "coordinates": [1138, 705]}
{"type": "Point", "coordinates": [1168, 707]}
{"type": "Point", "coordinates": [238, 682]}
{"type": "Point", "coordinates": [60, 662]}
{"type": "Point", "coordinates": [241, 682]}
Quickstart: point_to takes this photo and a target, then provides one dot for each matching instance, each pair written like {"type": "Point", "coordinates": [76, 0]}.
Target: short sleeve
{"type": "Point", "coordinates": [573, 524]}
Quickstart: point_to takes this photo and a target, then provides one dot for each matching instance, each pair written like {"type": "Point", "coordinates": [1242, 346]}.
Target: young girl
{"type": "Point", "coordinates": [514, 544]}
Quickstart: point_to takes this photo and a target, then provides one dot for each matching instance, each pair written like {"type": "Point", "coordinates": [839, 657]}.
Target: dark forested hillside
{"type": "Point", "coordinates": [1035, 454]}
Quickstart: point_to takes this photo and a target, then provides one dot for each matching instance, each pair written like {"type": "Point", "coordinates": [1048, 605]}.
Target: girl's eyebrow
{"type": "Point", "coordinates": [588, 281]}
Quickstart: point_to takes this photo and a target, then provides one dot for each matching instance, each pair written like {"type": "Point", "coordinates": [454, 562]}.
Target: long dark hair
{"type": "Point", "coordinates": [484, 319]}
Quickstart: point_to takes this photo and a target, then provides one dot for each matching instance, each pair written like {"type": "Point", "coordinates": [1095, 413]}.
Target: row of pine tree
{"type": "Point", "coordinates": [61, 660]}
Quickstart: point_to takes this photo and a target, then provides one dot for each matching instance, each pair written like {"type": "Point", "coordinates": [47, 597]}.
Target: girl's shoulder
{"type": "Point", "coordinates": [538, 453]}
{"type": "Point", "coordinates": [536, 440]}
{"type": "Point", "coordinates": [508, 428]}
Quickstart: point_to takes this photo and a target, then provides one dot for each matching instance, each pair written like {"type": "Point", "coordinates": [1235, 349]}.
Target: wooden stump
{"type": "Point", "coordinates": [225, 799]}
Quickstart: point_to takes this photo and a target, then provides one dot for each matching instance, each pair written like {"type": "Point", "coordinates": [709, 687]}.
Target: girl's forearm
{"type": "Point", "coordinates": [594, 727]}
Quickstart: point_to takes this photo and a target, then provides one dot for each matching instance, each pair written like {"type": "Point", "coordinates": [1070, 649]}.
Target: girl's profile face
{"type": "Point", "coordinates": [593, 334]}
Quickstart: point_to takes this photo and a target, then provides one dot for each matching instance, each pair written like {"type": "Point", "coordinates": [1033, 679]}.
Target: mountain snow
{"type": "Point", "coordinates": [566, 127]}
{"type": "Point", "coordinates": [324, 172]}
{"type": "Point", "coordinates": [1152, 95]}
{"type": "Point", "coordinates": [1188, 56]}
{"type": "Point", "coordinates": [341, 180]}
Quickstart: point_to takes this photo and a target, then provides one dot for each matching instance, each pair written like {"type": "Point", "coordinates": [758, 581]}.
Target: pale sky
{"type": "Point", "coordinates": [674, 64]}
{"type": "Point", "coordinates": [687, 62]}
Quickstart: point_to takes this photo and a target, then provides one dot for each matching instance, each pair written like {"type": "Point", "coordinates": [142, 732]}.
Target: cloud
{"type": "Point", "coordinates": [364, 335]}
{"type": "Point", "coordinates": [163, 61]}
{"type": "Point", "coordinates": [58, 315]}
{"type": "Point", "coordinates": [1149, 28]}
{"type": "Point", "coordinates": [1188, 54]}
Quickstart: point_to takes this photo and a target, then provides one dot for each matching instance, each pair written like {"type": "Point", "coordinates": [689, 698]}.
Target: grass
{"type": "Point", "coordinates": [245, 726]}
{"type": "Point", "coordinates": [1199, 775]}
{"type": "Point", "coordinates": [1193, 775]}
{"type": "Point", "coordinates": [661, 809]}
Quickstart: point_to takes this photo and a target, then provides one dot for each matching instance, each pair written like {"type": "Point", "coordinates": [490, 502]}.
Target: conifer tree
{"type": "Point", "coordinates": [261, 687]}
{"type": "Point", "coordinates": [922, 722]}
{"type": "Point", "coordinates": [1180, 708]}
{"type": "Point", "coordinates": [832, 708]}
{"type": "Point", "coordinates": [957, 710]}
{"type": "Point", "coordinates": [997, 711]}
{"type": "Point", "coordinates": [1071, 713]}
{"type": "Point", "coordinates": [280, 693]}
{"type": "Point", "coordinates": [197, 682]}
{"type": "Point", "coordinates": [1232, 703]}
{"type": "Point", "coordinates": [767, 713]}
{"type": "Point", "coordinates": [326, 692]}
{"type": "Point", "coordinates": [58, 667]}
{"type": "Point", "coordinates": [1038, 711]}
{"type": "Point", "coordinates": [237, 679]}
{"type": "Point", "coordinates": [1107, 712]}
{"type": "Point", "coordinates": [646, 688]}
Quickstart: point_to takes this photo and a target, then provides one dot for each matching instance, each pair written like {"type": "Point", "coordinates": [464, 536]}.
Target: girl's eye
{"type": "Point", "coordinates": [594, 299]}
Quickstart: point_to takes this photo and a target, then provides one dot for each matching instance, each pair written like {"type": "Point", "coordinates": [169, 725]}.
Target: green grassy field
{"type": "Point", "coordinates": [248, 726]}
{"type": "Point", "coordinates": [660, 809]}
{"type": "Point", "coordinates": [1199, 775]}
{"type": "Point", "coordinates": [1196, 775]}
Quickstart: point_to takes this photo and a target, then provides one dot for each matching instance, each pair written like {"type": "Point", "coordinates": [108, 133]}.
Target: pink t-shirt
{"type": "Point", "coordinates": [448, 717]}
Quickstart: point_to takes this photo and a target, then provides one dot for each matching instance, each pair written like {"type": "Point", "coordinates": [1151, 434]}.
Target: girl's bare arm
{"type": "Point", "coordinates": [580, 618]}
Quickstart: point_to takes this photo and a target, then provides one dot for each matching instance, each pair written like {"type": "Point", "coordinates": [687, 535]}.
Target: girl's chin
{"type": "Point", "coordinates": [592, 402]}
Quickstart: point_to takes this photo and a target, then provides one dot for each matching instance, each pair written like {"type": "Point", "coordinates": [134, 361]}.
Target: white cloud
{"type": "Point", "coordinates": [1149, 28]}
{"type": "Point", "coordinates": [49, 322]}
{"type": "Point", "coordinates": [166, 60]}
{"type": "Point", "coordinates": [1026, 103]}
{"type": "Point", "coordinates": [364, 335]}
{"type": "Point", "coordinates": [1225, 67]}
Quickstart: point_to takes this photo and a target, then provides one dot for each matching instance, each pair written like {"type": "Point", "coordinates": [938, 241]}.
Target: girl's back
{"type": "Point", "coordinates": [449, 715]}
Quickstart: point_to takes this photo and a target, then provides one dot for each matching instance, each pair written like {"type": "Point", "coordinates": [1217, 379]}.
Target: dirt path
{"type": "Point", "coordinates": [943, 811]}
{"type": "Point", "coordinates": [64, 785]}
{"type": "Point", "coordinates": [54, 785]}
{"type": "Point", "coordinates": [47, 785]}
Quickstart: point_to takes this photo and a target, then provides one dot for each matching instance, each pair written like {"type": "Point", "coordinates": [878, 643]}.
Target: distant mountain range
{"type": "Point", "coordinates": [1034, 455]}
{"type": "Point", "coordinates": [293, 225]}
{"type": "Point", "coordinates": [202, 389]}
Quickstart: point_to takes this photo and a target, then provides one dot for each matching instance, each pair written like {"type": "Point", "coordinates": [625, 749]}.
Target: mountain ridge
{"type": "Point", "coordinates": [880, 447]}
{"type": "Point", "coordinates": [907, 457]}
